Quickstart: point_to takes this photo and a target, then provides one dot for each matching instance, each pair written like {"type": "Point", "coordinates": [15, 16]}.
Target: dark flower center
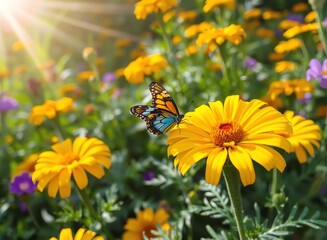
{"type": "Point", "coordinates": [226, 134]}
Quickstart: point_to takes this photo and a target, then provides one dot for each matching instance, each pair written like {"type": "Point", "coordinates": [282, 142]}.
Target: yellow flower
{"type": "Point", "coordinates": [123, 43]}
{"type": "Point", "coordinates": [310, 17]}
{"type": "Point", "coordinates": [287, 24]}
{"type": "Point", "coordinates": [142, 66]}
{"type": "Point", "coordinates": [71, 90]}
{"type": "Point", "coordinates": [275, 103]}
{"type": "Point", "coordinates": [270, 14]}
{"type": "Point", "coordinates": [17, 46]}
{"type": "Point", "coordinates": [119, 72]}
{"type": "Point", "coordinates": [145, 222]}
{"type": "Point", "coordinates": [86, 76]}
{"type": "Point", "coordinates": [9, 139]}
{"type": "Point", "coordinates": [287, 46]}
{"type": "Point", "coordinates": [236, 131]}
{"type": "Point", "coordinates": [296, 30]}
{"type": "Point", "coordinates": [145, 7]}
{"type": "Point", "coordinates": [191, 49]}
{"type": "Point", "coordinates": [288, 87]}
{"type": "Point", "coordinates": [176, 40]}
{"type": "Point", "coordinates": [305, 134]}
{"type": "Point", "coordinates": [168, 16]}
{"type": "Point", "coordinates": [54, 169]}
{"type": "Point", "coordinates": [195, 29]}
{"type": "Point", "coordinates": [285, 66]}
{"type": "Point", "coordinates": [89, 54]}
{"type": "Point", "coordinates": [50, 109]}
{"type": "Point", "coordinates": [252, 13]}
{"type": "Point", "coordinates": [82, 234]}
{"type": "Point", "coordinates": [300, 7]}
{"type": "Point", "coordinates": [211, 4]}
{"type": "Point", "coordinates": [28, 165]}
{"type": "Point", "coordinates": [187, 15]}
{"type": "Point", "coordinates": [4, 73]}
{"type": "Point", "coordinates": [232, 33]}
{"type": "Point", "coordinates": [265, 33]}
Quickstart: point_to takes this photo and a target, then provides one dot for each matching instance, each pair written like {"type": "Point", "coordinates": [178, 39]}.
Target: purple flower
{"type": "Point", "coordinates": [22, 206]}
{"type": "Point", "coordinates": [318, 71]}
{"type": "Point", "coordinates": [250, 63]}
{"type": "Point", "coordinates": [295, 17]}
{"type": "Point", "coordinates": [307, 98]}
{"type": "Point", "coordinates": [7, 103]}
{"type": "Point", "coordinates": [324, 23]}
{"type": "Point", "coordinates": [22, 184]}
{"type": "Point", "coordinates": [109, 77]}
{"type": "Point", "coordinates": [148, 176]}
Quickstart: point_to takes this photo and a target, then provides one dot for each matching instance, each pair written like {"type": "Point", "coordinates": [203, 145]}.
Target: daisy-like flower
{"type": "Point", "coordinates": [287, 24]}
{"type": "Point", "coordinates": [296, 30]}
{"type": "Point", "coordinates": [306, 134]}
{"type": "Point", "coordinates": [50, 110]}
{"type": "Point", "coordinates": [297, 86]}
{"type": "Point", "coordinates": [212, 4]}
{"type": "Point", "coordinates": [195, 29]}
{"type": "Point", "coordinates": [145, 222]}
{"type": "Point", "coordinates": [236, 131]}
{"type": "Point", "coordinates": [82, 234]}
{"type": "Point", "coordinates": [232, 33]}
{"type": "Point", "coordinates": [318, 71]}
{"type": "Point", "coordinates": [54, 169]}
{"type": "Point", "coordinates": [28, 165]}
{"type": "Point", "coordinates": [85, 76]}
{"type": "Point", "coordinates": [288, 46]}
{"type": "Point", "coordinates": [144, 7]}
{"type": "Point", "coordinates": [143, 66]}
{"type": "Point", "coordinates": [252, 13]}
{"type": "Point", "coordinates": [270, 14]}
{"type": "Point", "coordinates": [285, 66]}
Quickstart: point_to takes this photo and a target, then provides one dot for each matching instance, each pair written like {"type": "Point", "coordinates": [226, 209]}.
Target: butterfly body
{"type": "Point", "coordinates": [163, 115]}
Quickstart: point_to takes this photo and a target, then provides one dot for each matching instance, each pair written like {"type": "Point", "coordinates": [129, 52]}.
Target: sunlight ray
{"type": "Point", "coordinates": [3, 54]}
{"type": "Point", "coordinates": [106, 8]}
{"type": "Point", "coordinates": [92, 27]}
{"type": "Point", "coordinates": [60, 35]}
{"type": "Point", "coordinates": [25, 38]}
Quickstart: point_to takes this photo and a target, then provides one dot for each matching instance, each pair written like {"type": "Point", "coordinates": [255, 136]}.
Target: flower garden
{"type": "Point", "coordinates": [163, 119]}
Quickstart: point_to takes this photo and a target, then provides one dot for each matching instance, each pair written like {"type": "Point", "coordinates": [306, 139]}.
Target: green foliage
{"type": "Point", "coordinates": [286, 205]}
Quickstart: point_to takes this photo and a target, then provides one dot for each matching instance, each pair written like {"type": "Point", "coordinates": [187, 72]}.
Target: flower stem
{"type": "Point", "coordinates": [92, 212]}
{"type": "Point", "coordinates": [58, 129]}
{"type": "Point", "coordinates": [274, 182]}
{"type": "Point", "coordinates": [170, 51]}
{"type": "Point", "coordinates": [29, 209]}
{"type": "Point", "coordinates": [232, 179]}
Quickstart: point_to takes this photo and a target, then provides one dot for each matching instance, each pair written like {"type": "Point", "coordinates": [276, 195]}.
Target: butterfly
{"type": "Point", "coordinates": [163, 115]}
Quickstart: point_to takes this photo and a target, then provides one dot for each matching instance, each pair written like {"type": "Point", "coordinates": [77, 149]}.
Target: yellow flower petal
{"type": "Point", "coordinates": [54, 169]}
{"type": "Point", "coordinates": [242, 161]}
{"type": "Point", "coordinates": [80, 177]}
{"type": "Point", "coordinates": [215, 163]}
{"type": "Point", "coordinates": [66, 234]}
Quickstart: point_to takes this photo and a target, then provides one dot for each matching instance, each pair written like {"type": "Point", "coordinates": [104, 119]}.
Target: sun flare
{"type": "Point", "coordinates": [13, 5]}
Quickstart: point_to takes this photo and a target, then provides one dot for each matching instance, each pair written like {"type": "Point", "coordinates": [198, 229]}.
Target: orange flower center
{"type": "Point", "coordinates": [226, 134]}
{"type": "Point", "coordinates": [70, 157]}
{"type": "Point", "coordinates": [147, 230]}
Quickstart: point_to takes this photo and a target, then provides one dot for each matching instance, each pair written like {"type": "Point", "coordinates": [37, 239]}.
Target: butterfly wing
{"type": "Point", "coordinates": [162, 100]}
{"type": "Point", "coordinates": [163, 115]}
{"type": "Point", "coordinates": [157, 122]}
